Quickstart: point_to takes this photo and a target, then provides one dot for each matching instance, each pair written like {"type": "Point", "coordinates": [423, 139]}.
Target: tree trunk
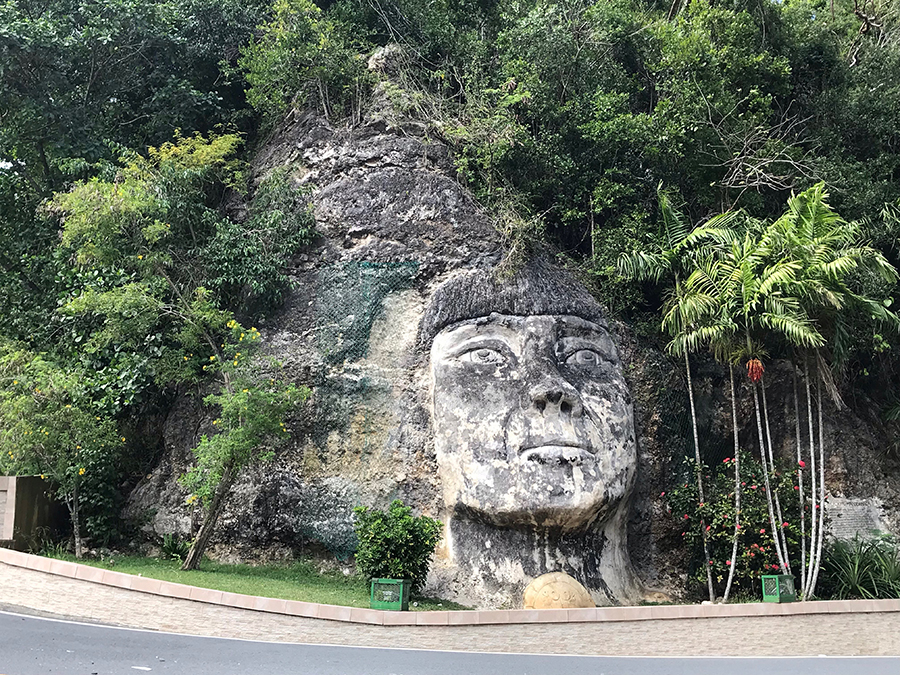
{"type": "Point", "coordinates": [737, 486]}
{"type": "Point", "coordinates": [779, 532]}
{"type": "Point", "coordinates": [198, 547]}
{"type": "Point", "coordinates": [699, 468]}
{"type": "Point", "coordinates": [800, 486]}
{"type": "Point", "coordinates": [821, 525]}
{"type": "Point", "coordinates": [762, 456]}
{"type": "Point", "coordinates": [812, 479]}
{"type": "Point", "coordinates": [76, 523]}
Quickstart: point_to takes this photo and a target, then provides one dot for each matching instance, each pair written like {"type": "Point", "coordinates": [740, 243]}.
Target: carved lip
{"type": "Point", "coordinates": [556, 452]}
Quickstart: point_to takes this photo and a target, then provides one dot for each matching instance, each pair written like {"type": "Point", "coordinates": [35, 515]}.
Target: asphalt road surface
{"type": "Point", "coordinates": [39, 646]}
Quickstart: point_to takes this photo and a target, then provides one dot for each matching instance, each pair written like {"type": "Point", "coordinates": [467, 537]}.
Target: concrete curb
{"type": "Point", "coordinates": [443, 618]}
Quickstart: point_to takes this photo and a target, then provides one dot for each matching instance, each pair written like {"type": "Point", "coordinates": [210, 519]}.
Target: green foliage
{"type": "Point", "coordinates": [756, 552]}
{"type": "Point", "coordinates": [140, 312]}
{"type": "Point", "coordinates": [395, 545]}
{"type": "Point", "coordinates": [49, 426]}
{"type": "Point", "coordinates": [247, 260]}
{"type": "Point", "coordinates": [163, 266]}
{"type": "Point", "coordinates": [80, 80]}
{"type": "Point", "coordinates": [156, 266]}
{"type": "Point", "coordinates": [173, 547]}
{"type": "Point", "coordinates": [301, 56]}
{"type": "Point", "coordinates": [867, 568]}
{"type": "Point", "coordinates": [250, 423]}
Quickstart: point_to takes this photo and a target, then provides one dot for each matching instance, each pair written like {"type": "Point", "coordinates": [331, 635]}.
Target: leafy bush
{"type": "Point", "coordinates": [300, 55]}
{"type": "Point", "coordinates": [862, 568]}
{"type": "Point", "coordinates": [247, 260]}
{"type": "Point", "coordinates": [394, 544]}
{"type": "Point", "coordinates": [756, 551]}
{"type": "Point", "coordinates": [174, 547]}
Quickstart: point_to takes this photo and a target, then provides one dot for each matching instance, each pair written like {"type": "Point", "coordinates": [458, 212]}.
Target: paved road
{"type": "Point", "coordinates": [38, 646]}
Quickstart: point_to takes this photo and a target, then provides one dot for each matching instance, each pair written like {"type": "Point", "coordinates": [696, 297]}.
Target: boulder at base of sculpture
{"type": "Point", "coordinates": [556, 590]}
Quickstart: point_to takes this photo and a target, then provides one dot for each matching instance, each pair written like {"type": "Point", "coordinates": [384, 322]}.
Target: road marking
{"type": "Point", "coordinates": [140, 668]}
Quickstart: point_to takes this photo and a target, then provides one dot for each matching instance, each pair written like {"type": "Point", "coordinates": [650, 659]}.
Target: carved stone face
{"type": "Point", "coordinates": [532, 420]}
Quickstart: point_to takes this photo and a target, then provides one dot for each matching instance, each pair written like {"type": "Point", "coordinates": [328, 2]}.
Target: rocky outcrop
{"type": "Point", "coordinates": [393, 224]}
{"type": "Point", "coordinates": [391, 220]}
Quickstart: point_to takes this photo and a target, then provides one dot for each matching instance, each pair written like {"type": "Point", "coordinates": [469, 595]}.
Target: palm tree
{"type": "Point", "coordinates": [827, 250]}
{"type": "Point", "coordinates": [736, 299]}
{"type": "Point", "coordinates": [674, 260]}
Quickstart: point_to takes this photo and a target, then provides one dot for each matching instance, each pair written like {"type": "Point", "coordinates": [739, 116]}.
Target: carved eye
{"type": "Point", "coordinates": [583, 357]}
{"type": "Point", "coordinates": [483, 356]}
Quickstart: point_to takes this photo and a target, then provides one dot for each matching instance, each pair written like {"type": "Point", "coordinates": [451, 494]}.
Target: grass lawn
{"type": "Point", "coordinates": [299, 581]}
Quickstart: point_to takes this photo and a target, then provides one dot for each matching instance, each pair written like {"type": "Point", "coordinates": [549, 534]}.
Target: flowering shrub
{"type": "Point", "coordinates": [756, 553]}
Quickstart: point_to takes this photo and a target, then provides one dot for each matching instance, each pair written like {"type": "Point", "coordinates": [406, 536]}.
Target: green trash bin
{"type": "Point", "coordinates": [778, 588]}
{"type": "Point", "coordinates": [390, 594]}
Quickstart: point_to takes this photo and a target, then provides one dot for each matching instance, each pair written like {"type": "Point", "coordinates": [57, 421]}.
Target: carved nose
{"type": "Point", "coordinates": [558, 397]}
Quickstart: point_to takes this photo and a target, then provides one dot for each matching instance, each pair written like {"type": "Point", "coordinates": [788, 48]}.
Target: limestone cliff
{"type": "Point", "coordinates": [393, 223]}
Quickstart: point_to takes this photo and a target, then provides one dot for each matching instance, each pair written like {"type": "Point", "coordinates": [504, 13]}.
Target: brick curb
{"type": "Point", "coordinates": [441, 618]}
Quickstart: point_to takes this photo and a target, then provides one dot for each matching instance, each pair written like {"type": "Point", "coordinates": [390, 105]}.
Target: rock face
{"type": "Point", "coordinates": [529, 463]}
{"type": "Point", "coordinates": [392, 220]}
{"type": "Point", "coordinates": [508, 407]}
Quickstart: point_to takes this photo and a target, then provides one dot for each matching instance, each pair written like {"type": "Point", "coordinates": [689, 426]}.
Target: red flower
{"type": "Point", "coordinates": [685, 516]}
{"type": "Point", "coordinates": [784, 524]}
{"type": "Point", "coordinates": [796, 487]}
{"type": "Point", "coordinates": [752, 555]}
{"type": "Point", "coordinates": [662, 494]}
{"type": "Point", "coordinates": [701, 503]}
{"type": "Point", "coordinates": [755, 370]}
{"type": "Point", "coordinates": [727, 562]}
{"type": "Point", "coordinates": [742, 483]}
{"type": "Point", "coordinates": [752, 487]}
{"type": "Point", "coordinates": [774, 567]}
{"type": "Point", "coordinates": [737, 527]}
{"type": "Point", "coordinates": [710, 562]}
{"type": "Point", "coordinates": [762, 531]}
{"type": "Point", "coordinates": [802, 464]}
{"type": "Point", "coordinates": [726, 460]}
{"type": "Point", "coordinates": [707, 527]}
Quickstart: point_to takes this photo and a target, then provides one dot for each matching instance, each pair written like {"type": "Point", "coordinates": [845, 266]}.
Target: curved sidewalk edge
{"type": "Point", "coordinates": [440, 618]}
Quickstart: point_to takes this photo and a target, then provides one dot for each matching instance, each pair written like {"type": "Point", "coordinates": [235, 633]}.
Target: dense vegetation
{"type": "Point", "coordinates": [123, 279]}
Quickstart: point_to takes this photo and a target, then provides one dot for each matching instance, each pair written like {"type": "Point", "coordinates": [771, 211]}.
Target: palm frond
{"type": "Point", "coordinates": [674, 226]}
{"type": "Point", "coordinates": [644, 265]}
{"type": "Point", "coordinates": [796, 330]}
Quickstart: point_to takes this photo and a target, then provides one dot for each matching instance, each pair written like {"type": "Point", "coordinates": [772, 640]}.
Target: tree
{"type": "Point", "coordinates": [675, 260]}
{"type": "Point", "coordinates": [250, 422]}
{"type": "Point", "coordinates": [301, 56]}
{"type": "Point", "coordinates": [785, 282]}
{"type": "Point", "coordinates": [50, 426]}
{"type": "Point", "coordinates": [828, 251]}
{"type": "Point", "coordinates": [155, 233]}
{"type": "Point", "coordinates": [738, 298]}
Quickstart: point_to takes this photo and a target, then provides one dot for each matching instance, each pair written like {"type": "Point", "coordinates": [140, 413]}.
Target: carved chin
{"type": "Point", "coordinates": [558, 488]}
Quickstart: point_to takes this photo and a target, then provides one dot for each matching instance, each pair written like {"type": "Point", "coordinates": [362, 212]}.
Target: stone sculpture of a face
{"type": "Point", "coordinates": [532, 420]}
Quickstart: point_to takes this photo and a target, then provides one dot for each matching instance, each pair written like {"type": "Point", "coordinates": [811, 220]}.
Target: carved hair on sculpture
{"type": "Point", "coordinates": [531, 413]}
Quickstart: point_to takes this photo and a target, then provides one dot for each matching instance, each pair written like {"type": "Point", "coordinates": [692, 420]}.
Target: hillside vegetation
{"type": "Point", "coordinates": [125, 125]}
